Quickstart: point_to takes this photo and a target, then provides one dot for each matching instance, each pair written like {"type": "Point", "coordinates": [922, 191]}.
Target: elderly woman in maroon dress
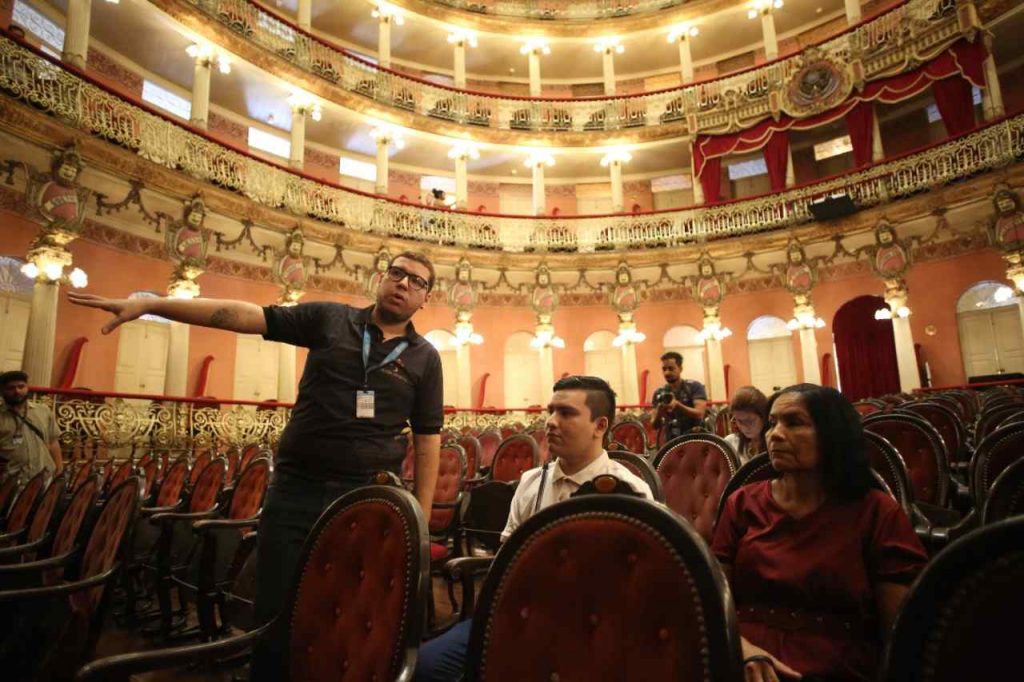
{"type": "Point", "coordinates": [818, 559]}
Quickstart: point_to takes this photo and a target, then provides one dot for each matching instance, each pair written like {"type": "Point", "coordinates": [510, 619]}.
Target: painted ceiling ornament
{"type": "Point", "coordinates": [543, 296]}
{"type": "Point", "coordinates": [58, 200]}
{"type": "Point", "coordinates": [291, 269]}
{"type": "Point", "coordinates": [708, 288]}
{"type": "Point", "coordinates": [462, 294]}
{"type": "Point", "coordinates": [374, 277]}
{"type": "Point", "coordinates": [890, 258]}
{"type": "Point", "coordinates": [819, 84]}
{"type": "Point", "coordinates": [800, 275]}
{"type": "Point", "coordinates": [188, 241]}
{"type": "Point", "coordinates": [1008, 225]}
{"type": "Point", "coordinates": [624, 295]}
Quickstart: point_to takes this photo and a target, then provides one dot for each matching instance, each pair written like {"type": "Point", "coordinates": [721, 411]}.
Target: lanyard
{"type": "Point", "coordinates": [392, 356]}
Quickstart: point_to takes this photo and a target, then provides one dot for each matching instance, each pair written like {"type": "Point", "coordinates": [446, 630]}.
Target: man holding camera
{"type": "Point", "coordinates": [680, 403]}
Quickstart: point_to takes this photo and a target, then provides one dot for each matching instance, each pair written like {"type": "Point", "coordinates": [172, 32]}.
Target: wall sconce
{"type": "Point", "coordinates": [535, 46]}
{"type": "Point", "coordinates": [682, 32]}
{"type": "Point", "coordinates": [390, 135]}
{"type": "Point", "coordinates": [887, 313]}
{"type": "Point", "coordinates": [464, 36]}
{"type": "Point", "coordinates": [303, 102]}
{"type": "Point", "coordinates": [759, 7]}
{"type": "Point", "coordinates": [629, 336]}
{"type": "Point", "coordinates": [545, 338]}
{"type": "Point", "coordinates": [386, 12]}
{"type": "Point", "coordinates": [539, 158]}
{"type": "Point", "coordinates": [714, 330]}
{"type": "Point", "coordinates": [464, 150]}
{"type": "Point", "coordinates": [183, 289]}
{"type": "Point", "coordinates": [464, 334]}
{"type": "Point", "coordinates": [205, 54]}
{"type": "Point", "coordinates": [615, 156]}
{"type": "Point", "coordinates": [52, 272]}
{"type": "Point", "coordinates": [805, 321]}
{"type": "Point", "coordinates": [610, 45]}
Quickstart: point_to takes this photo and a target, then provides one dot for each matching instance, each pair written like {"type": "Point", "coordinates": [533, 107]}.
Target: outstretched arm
{"type": "Point", "coordinates": [235, 316]}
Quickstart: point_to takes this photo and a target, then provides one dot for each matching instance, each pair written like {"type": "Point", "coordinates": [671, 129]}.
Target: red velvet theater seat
{"type": "Point", "coordinates": [515, 455]}
{"type": "Point", "coordinates": [631, 434]}
{"type": "Point", "coordinates": [921, 448]}
{"type": "Point", "coordinates": [355, 611]}
{"type": "Point", "coordinates": [694, 470]}
{"type": "Point", "coordinates": [602, 588]}
{"type": "Point", "coordinates": [1000, 449]}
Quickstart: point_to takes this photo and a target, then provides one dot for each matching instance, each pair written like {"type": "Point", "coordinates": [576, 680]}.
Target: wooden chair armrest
{"type": "Point", "coordinates": [8, 596]}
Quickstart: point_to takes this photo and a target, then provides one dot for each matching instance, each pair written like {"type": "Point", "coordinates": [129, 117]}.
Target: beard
{"type": "Point", "coordinates": [15, 400]}
{"type": "Point", "coordinates": [391, 317]}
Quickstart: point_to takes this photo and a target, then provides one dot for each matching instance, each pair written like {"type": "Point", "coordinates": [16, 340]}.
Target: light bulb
{"type": "Point", "coordinates": [78, 278]}
{"type": "Point", "coordinates": [30, 270]}
{"type": "Point", "coordinates": [53, 271]}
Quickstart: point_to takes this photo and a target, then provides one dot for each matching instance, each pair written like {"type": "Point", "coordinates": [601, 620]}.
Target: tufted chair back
{"type": "Point", "coordinates": [451, 472]}
{"type": "Point", "coordinates": [73, 518]}
{"type": "Point", "coordinates": [723, 424]}
{"type": "Point", "coordinates": [953, 625]}
{"type": "Point", "coordinates": [173, 483]}
{"type": "Point", "coordinates": [247, 497]}
{"type": "Point", "coordinates": [991, 417]}
{"type": "Point", "coordinates": [8, 487]}
{"type": "Point", "coordinates": [1006, 496]}
{"type": "Point", "coordinates": [149, 469]}
{"type": "Point", "coordinates": [24, 503]}
{"type": "Point", "coordinates": [515, 455]}
{"type": "Point", "coordinates": [231, 457]}
{"type": "Point", "coordinates": [631, 434]}
{"type": "Point", "coordinates": [694, 470]}
{"type": "Point", "coordinates": [922, 450]}
{"type": "Point", "coordinates": [953, 402]}
{"type": "Point", "coordinates": [489, 442]}
{"type": "Point", "coordinates": [886, 461]}
{"type": "Point", "coordinates": [642, 468]}
{"type": "Point", "coordinates": [200, 462]}
{"type": "Point", "coordinates": [120, 473]}
{"type": "Point", "coordinates": [83, 472]}
{"type": "Point", "coordinates": [757, 468]}
{"type": "Point", "coordinates": [483, 515]}
{"type": "Point", "coordinates": [946, 422]}
{"type": "Point", "coordinates": [1000, 449]}
{"type": "Point", "coordinates": [105, 538]}
{"type": "Point", "coordinates": [43, 514]}
{"type": "Point", "coordinates": [647, 602]}
{"type": "Point", "coordinates": [208, 486]}
{"type": "Point", "coordinates": [868, 407]}
{"type": "Point", "coordinates": [470, 446]}
{"type": "Point", "coordinates": [249, 453]}
{"type": "Point", "coordinates": [356, 611]}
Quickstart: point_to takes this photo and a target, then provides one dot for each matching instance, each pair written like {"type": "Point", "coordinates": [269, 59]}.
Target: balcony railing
{"type": "Point", "coordinates": [907, 34]}
{"type": "Point", "coordinates": [84, 104]}
{"type": "Point", "coordinates": [561, 10]}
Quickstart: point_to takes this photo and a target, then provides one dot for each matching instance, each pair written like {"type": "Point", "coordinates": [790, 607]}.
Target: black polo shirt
{"type": "Point", "coordinates": [324, 438]}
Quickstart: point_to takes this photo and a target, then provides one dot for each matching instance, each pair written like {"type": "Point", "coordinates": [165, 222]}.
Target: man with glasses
{"type": "Point", "coordinates": [367, 376]}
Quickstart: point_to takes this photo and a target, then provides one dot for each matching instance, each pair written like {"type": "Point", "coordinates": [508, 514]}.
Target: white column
{"type": "Point", "coordinates": [698, 189]}
{"type": "Point", "coordinates": [201, 92]}
{"type": "Point", "coordinates": [547, 372]}
{"type": "Point", "coordinates": [716, 370]}
{"type": "Point", "coordinates": [809, 356]}
{"type": "Point", "coordinates": [463, 392]}
{"type": "Point", "coordinates": [381, 184]}
{"type": "Point", "coordinates": [685, 58]}
{"type": "Point", "coordinates": [630, 380]}
{"type": "Point", "coordinates": [993, 93]}
{"type": "Point", "coordinates": [608, 69]}
{"type": "Point", "coordinates": [459, 47]}
{"type": "Point", "coordinates": [286, 373]}
{"type": "Point", "coordinates": [790, 169]}
{"type": "Point", "coordinates": [771, 41]}
{"type": "Point", "coordinates": [615, 169]}
{"type": "Point", "coordinates": [37, 361]}
{"type": "Point", "coordinates": [76, 33]}
{"type": "Point", "coordinates": [877, 148]}
{"type": "Point", "coordinates": [539, 194]}
{"type": "Point", "coordinates": [461, 182]}
{"type": "Point", "coordinates": [305, 17]}
{"type": "Point", "coordinates": [176, 377]}
{"type": "Point", "coordinates": [384, 41]}
{"type": "Point", "coordinates": [853, 14]}
{"type": "Point", "coordinates": [534, 58]}
{"type": "Point", "coordinates": [297, 155]}
{"type": "Point", "coordinates": [906, 358]}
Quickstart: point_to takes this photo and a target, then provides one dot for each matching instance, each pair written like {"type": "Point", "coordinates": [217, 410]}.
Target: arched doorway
{"type": "Point", "coordinates": [602, 359]}
{"type": "Point", "coordinates": [686, 341]}
{"type": "Point", "coordinates": [522, 372]}
{"type": "Point", "coordinates": [991, 338]}
{"type": "Point", "coordinates": [444, 341]}
{"type": "Point", "coordinates": [770, 348]}
{"type": "Point", "coordinates": [15, 304]}
{"type": "Point", "coordinates": [865, 349]}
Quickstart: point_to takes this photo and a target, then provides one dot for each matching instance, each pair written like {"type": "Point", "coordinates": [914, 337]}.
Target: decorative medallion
{"type": "Point", "coordinates": [817, 86]}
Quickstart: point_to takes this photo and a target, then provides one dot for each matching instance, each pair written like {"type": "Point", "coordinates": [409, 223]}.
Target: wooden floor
{"type": "Point", "coordinates": [118, 640]}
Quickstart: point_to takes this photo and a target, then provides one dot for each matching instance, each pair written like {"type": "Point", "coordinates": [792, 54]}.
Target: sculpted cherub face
{"type": "Point", "coordinates": [1005, 202]}
{"type": "Point", "coordinates": [885, 236]}
{"type": "Point", "coordinates": [543, 278]}
{"type": "Point", "coordinates": [67, 172]}
{"type": "Point", "coordinates": [705, 269]}
{"type": "Point", "coordinates": [463, 274]}
{"type": "Point", "coordinates": [623, 276]}
{"type": "Point", "coordinates": [195, 216]}
{"type": "Point", "coordinates": [295, 247]}
{"type": "Point", "coordinates": [796, 255]}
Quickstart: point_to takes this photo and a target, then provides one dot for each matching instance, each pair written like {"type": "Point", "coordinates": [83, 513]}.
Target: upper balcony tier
{"type": "Point", "coordinates": [887, 45]}
{"type": "Point", "coordinates": [76, 100]}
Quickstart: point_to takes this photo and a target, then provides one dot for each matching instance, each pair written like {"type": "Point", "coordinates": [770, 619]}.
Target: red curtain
{"type": "Point", "coordinates": [776, 157]}
{"type": "Point", "coordinates": [955, 100]}
{"type": "Point", "coordinates": [860, 122]}
{"type": "Point", "coordinates": [711, 180]}
{"type": "Point", "coordinates": [865, 350]}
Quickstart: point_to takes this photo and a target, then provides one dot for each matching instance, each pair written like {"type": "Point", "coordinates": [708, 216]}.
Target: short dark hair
{"type": "Point", "coordinates": [672, 355]}
{"type": "Point", "coordinates": [422, 260]}
{"type": "Point", "coordinates": [13, 375]}
{"type": "Point", "coordinates": [600, 396]}
{"type": "Point", "coordinates": [844, 462]}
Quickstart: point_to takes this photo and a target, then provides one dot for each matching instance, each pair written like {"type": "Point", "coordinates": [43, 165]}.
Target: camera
{"type": "Point", "coordinates": [662, 397]}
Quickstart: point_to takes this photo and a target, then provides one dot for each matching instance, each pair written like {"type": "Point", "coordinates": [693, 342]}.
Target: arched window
{"type": "Point", "coordinates": [522, 373]}
{"type": "Point", "coordinates": [15, 304]}
{"type": "Point", "coordinates": [770, 348]}
{"type": "Point", "coordinates": [444, 341]}
{"type": "Point", "coordinates": [685, 340]}
{"type": "Point", "coordinates": [602, 359]}
{"type": "Point", "coordinates": [988, 316]}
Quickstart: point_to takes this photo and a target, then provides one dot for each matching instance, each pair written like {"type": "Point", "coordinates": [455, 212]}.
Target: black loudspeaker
{"type": "Point", "coordinates": [833, 207]}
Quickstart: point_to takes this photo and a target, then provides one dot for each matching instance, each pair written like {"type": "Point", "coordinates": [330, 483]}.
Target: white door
{"type": "Point", "coordinates": [1006, 323]}
{"type": "Point", "coordinates": [602, 359]}
{"type": "Point", "coordinates": [522, 372]}
{"type": "Point", "coordinates": [13, 327]}
{"type": "Point", "coordinates": [771, 363]}
{"type": "Point", "coordinates": [142, 357]}
{"type": "Point", "coordinates": [256, 368]}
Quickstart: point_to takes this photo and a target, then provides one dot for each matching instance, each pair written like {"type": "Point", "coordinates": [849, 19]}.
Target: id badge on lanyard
{"type": "Point", "coordinates": [365, 399]}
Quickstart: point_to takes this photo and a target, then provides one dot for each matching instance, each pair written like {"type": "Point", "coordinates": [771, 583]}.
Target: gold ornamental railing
{"type": "Point", "coordinates": [75, 100]}
{"type": "Point", "coordinates": [895, 41]}
{"type": "Point", "coordinates": [561, 10]}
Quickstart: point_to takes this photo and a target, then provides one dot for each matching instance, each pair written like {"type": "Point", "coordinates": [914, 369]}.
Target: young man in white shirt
{"type": "Point", "coordinates": [580, 413]}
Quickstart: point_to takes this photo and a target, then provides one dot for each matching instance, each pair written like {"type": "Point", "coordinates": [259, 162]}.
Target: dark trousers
{"type": "Point", "coordinates": [292, 506]}
{"type": "Point", "coordinates": [443, 659]}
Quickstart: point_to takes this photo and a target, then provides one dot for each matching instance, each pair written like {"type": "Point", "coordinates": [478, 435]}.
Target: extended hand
{"type": "Point", "coordinates": [761, 666]}
{"type": "Point", "coordinates": [123, 309]}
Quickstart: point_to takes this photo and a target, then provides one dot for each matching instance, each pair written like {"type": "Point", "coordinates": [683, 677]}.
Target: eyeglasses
{"type": "Point", "coordinates": [397, 274]}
